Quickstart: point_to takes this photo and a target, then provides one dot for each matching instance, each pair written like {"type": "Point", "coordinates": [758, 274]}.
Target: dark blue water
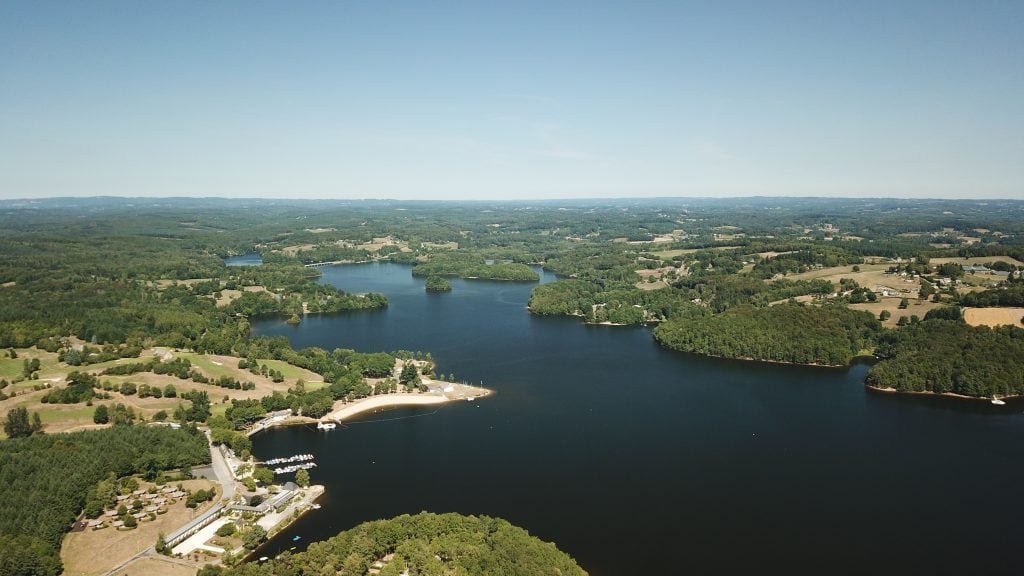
{"type": "Point", "coordinates": [636, 459]}
{"type": "Point", "coordinates": [248, 259]}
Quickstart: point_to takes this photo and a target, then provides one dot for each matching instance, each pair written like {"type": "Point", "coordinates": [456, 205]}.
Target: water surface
{"type": "Point", "coordinates": [633, 458]}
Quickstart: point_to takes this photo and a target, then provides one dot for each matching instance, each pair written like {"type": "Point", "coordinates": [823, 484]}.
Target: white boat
{"type": "Point", "coordinates": [315, 506]}
{"type": "Point", "coordinates": [326, 425]}
{"type": "Point", "coordinates": [997, 401]}
{"type": "Point", "coordinates": [471, 398]}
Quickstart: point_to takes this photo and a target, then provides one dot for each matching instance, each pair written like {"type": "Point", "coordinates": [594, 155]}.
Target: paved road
{"type": "Point", "coordinates": [223, 472]}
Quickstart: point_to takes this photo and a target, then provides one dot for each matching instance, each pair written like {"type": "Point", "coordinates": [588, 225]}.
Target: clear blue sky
{"type": "Point", "coordinates": [482, 100]}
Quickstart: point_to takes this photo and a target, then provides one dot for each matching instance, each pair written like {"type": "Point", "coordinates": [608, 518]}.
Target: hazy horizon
{"type": "Point", "coordinates": [531, 101]}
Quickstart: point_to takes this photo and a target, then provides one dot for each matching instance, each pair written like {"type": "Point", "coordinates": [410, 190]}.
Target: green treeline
{"type": "Point", "coordinates": [45, 480]}
{"type": "Point", "coordinates": [426, 544]}
{"type": "Point", "coordinates": [804, 260]}
{"type": "Point", "coordinates": [472, 266]}
{"type": "Point", "coordinates": [830, 335]}
{"type": "Point", "coordinates": [1011, 295]}
{"type": "Point", "coordinates": [620, 305]}
{"type": "Point", "coordinates": [129, 308]}
{"type": "Point", "coordinates": [949, 356]}
{"type": "Point", "coordinates": [321, 253]}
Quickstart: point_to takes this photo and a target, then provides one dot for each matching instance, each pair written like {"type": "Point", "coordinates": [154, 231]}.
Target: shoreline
{"type": "Point", "coordinates": [284, 520]}
{"type": "Point", "coordinates": [343, 411]}
{"type": "Point", "coordinates": [442, 393]}
{"type": "Point", "coordinates": [749, 359]}
{"type": "Point", "coordinates": [891, 390]}
{"type": "Point", "coordinates": [384, 401]}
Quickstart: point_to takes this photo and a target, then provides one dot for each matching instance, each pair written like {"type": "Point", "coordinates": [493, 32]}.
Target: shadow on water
{"type": "Point", "coordinates": [636, 459]}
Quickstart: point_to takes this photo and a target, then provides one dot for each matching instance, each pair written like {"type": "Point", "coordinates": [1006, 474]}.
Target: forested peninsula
{"type": "Point", "coordinates": [792, 333]}
{"type": "Point", "coordinates": [949, 357]}
{"type": "Point", "coordinates": [421, 544]}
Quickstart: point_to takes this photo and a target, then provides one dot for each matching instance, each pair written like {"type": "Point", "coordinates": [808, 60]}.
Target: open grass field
{"type": "Point", "coordinates": [11, 367]}
{"type": "Point", "coordinates": [994, 316]}
{"type": "Point", "coordinates": [292, 372]}
{"type": "Point", "coordinates": [71, 417]}
{"type": "Point", "coordinates": [96, 552]}
{"type": "Point", "coordinates": [869, 275]}
{"type": "Point", "coordinates": [977, 260]}
{"type": "Point", "coordinates": [916, 308]}
{"type": "Point", "coordinates": [669, 254]}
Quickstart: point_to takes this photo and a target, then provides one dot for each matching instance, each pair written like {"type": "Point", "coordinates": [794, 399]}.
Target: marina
{"type": "Point", "coordinates": [294, 468]}
{"type": "Point", "coordinates": [288, 460]}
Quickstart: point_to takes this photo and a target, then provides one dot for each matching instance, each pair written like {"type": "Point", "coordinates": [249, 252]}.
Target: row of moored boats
{"type": "Point", "coordinates": [294, 467]}
{"type": "Point", "coordinates": [290, 459]}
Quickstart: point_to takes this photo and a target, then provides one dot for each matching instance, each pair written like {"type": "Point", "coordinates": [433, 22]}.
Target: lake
{"type": "Point", "coordinates": [636, 459]}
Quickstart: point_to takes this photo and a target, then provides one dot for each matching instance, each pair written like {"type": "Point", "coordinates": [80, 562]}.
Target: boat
{"type": "Point", "coordinates": [326, 425]}
{"type": "Point", "coordinates": [296, 539]}
{"type": "Point", "coordinates": [264, 558]}
{"type": "Point", "coordinates": [470, 399]}
{"type": "Point", "coordinates": [315, 506]}
{"type": "Point", "coordinates": [997, 401]}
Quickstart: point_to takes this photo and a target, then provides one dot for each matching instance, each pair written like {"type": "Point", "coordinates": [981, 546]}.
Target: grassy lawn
{"type": "Point", "coordinates": [10, 368]}
{"type": "Point", "coordinates": [209, 366]}
{"type": "Point", "coordinates": [64, 412]}
{"type": "Point", "coordinates": [59, 417]}
{"type": "Point", "coordinates": [292, 372]}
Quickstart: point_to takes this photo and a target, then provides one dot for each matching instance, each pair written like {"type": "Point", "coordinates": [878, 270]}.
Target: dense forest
{"type": "Point", "coordinates": [424, 544]}
{"type": "Point", "coordinates": [469, 266]}
{"type": "Point", "coordinates": [100, 279]}
{"type": "Point", "coordinates": [45, 481]}
{"type": "Point", "coordinates": [948, 356]}
{"type": "Point", "coordinates": [830, 335]}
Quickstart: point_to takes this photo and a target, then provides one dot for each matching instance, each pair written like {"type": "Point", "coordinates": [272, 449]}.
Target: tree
{"type": "Point", "coordinates": [37, 423]}
{"type": "Point", "coordinates": [904, 303]}
{"type": "Point", "coordinates": [29, 367]}
{"type": "Point", "coordinates": [884, 315]}
{"type": "Point", "coordinates": [264, 476]}
{"type": "Point", "coordinates": [926, 290]}
{"type": "Point", "coordinates": [254, 537]}
{"type": "Point", "coordinates": [101, 415]}
{"type": "Point", "coordinates": [410, 375]}
{"type": "Point", "coordinates": [200, 409]}
{"type": "Point", "coordinates": [302, 477]}
{"type": "Point", "coordinates": [226, 530]}
{"type": "Point", "coordinates": [161, 544]}
{"type": "Point", "coordinates": [122, 415]}
{"type": "Point", "coordinates": [129, 521]}
{"type": "Point", "coordinates": [17, 423]}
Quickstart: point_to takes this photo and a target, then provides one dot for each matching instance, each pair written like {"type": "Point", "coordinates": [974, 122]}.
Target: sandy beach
{"type": "Point", "coordinates": [384, 401]}
{"type": "Point", "coordinates": [452, 393]}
